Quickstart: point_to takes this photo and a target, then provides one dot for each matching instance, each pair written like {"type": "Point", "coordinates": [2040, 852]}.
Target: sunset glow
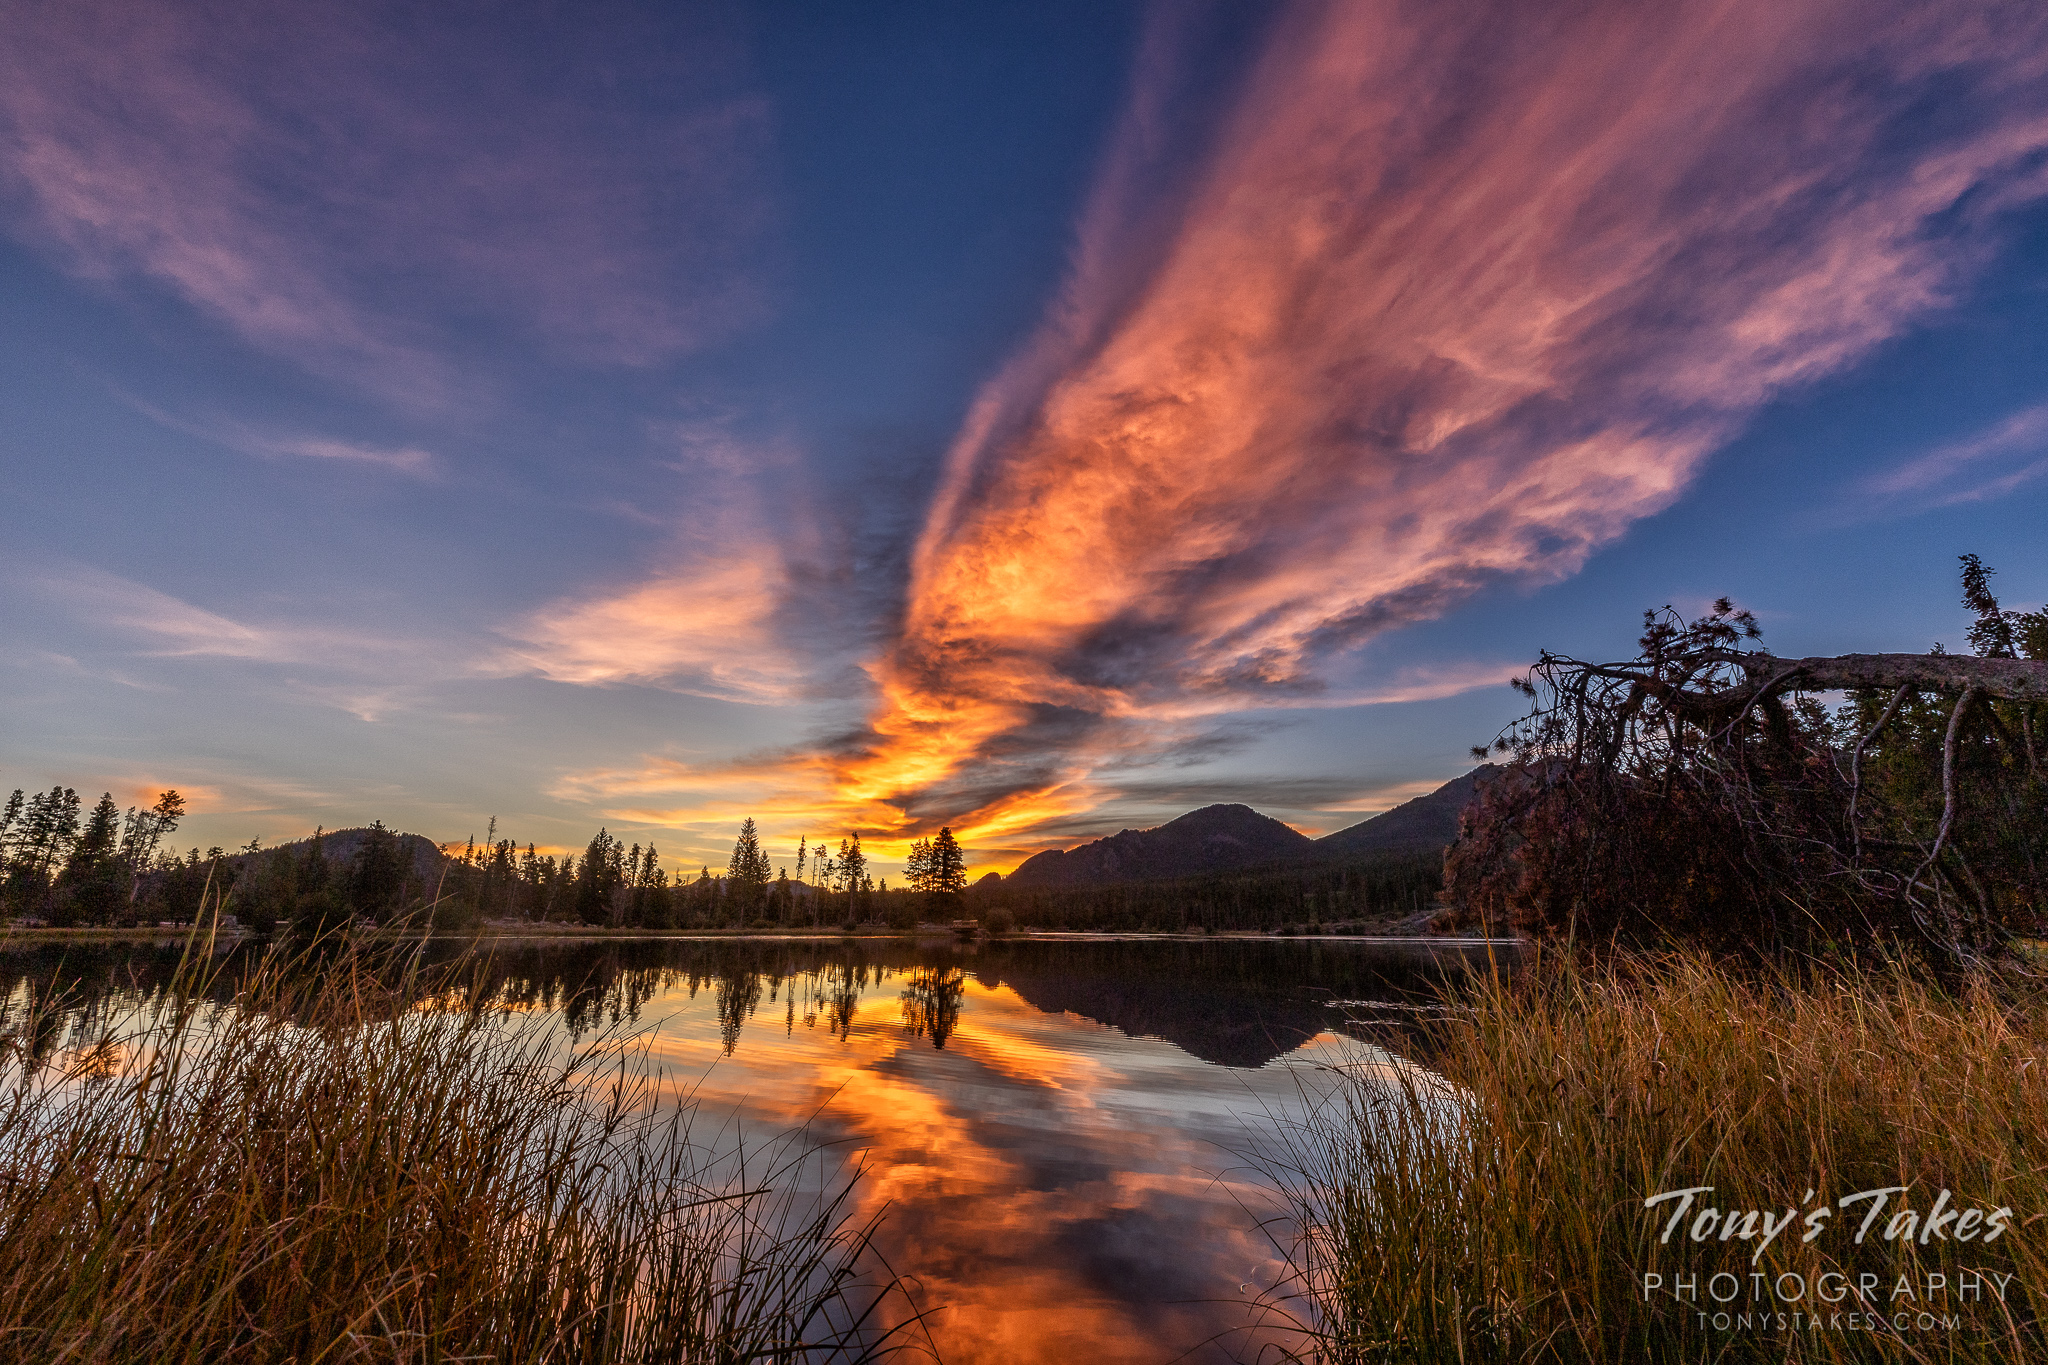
{"type": "Point", "coordinates": [1402, 344]}
{"type": "Point", "coordinates": [1107, 412]}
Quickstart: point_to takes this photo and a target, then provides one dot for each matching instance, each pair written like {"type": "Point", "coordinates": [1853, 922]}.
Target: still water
{"type": "Point", "coordinates": [1051, 1128]}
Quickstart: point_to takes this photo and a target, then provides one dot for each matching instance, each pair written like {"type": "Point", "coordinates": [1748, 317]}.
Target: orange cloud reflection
{"type": "Point", "coordinates": [1008, 1160]}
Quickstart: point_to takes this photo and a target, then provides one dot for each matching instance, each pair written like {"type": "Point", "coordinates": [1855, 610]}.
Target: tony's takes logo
{"type": "Point", "coordinates": [1762, 1226]}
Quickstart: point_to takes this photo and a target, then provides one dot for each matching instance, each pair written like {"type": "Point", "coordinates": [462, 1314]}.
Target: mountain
{"type": "Point", "coordinates": [1213, 839]}
{"type": "Point", "coordinates": [1427, 822]}
{"type": "Point", "coordinates": [339, 847]}
{"type": "Point", "coordinates": [1227, 838]}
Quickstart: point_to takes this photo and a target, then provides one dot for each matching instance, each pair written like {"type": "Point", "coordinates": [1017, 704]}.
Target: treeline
{"type": "Point", "coordinates": [1305, 899]}
{"type": "Point", "coordinates": [109, 867]}
{"type": "Point", "coordinates": [59, 865]}
{"type": "Point", "coordinates": [625, 886]}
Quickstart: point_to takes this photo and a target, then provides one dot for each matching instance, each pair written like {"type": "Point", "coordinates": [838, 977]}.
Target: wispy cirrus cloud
{"type": "Point", "coordinates": [240, 436]}
{"type": "Point", "coordinates": [1994, 462]}
{"type": "Point", "coordinates": [367, 673]}
{"type": "Point", "coordinates": [356, 187]}
{"type": "Point", "coordinates": [1455, 295]}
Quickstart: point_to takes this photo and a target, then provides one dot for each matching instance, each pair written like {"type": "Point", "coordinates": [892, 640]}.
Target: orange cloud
{"type": "Point", "coordinates": [1458, 293]}
{"type": "Point", "coordinates": [706, 629]}
{"type": "Point", "coordinates": [200, 799]}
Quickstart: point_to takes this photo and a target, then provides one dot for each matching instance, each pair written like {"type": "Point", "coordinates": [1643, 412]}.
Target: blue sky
{"type": "Point", "coordinates": [1039, 419]}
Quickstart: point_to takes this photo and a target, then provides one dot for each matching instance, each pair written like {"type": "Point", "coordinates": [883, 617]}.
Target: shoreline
{"type": "Point", "coordinates": [11, 936]}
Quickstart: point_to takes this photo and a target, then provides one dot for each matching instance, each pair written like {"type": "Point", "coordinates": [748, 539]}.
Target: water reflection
{"type": "Point", "coordinates": [931, 1002]}
{"type": "Point", "coordinates": [1048, 1123]}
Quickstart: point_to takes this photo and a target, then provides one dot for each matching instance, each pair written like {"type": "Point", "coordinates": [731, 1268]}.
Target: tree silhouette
{"type": "Point", "coordinates": [747, 872]}
{"type": "Point", "coordinates": [948, 865]}
{"type": "Point", "coordinates": [1696, 791]}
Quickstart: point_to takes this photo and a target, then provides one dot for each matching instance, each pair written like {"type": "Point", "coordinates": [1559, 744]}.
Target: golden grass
{"type": "Point", "coordinates": [1504, 1219]}
{"type": "Point", "coordinates": [340, 1168]}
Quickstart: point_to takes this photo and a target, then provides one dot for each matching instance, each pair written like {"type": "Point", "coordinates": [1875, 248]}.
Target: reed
{"type": "Point", "coordinates": [354, 1162]}
{"type": "Point", "coordinates": [1493, 1207]}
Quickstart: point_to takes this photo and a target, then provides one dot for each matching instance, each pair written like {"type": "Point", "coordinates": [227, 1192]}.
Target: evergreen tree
{"type": "Point", "coordinates": [49, 828]}
{"type": "Point", "coordinates": [317, 906]}
{"type": "Point", "coordinates": [376, 883]}
{"type": "Point", "coordinates": [948, 865]}
{"type": "Point", "coordinates": [93, 880]}
{"type": "Point", "coordinates": [2000, 634]}
{"type": "Point", "coordinates": [594, 879]}
{"type": "Point", "coordinates": [143, 831]}
{"type": "Point", "coordinates": [853, 864]}
{"type": "Point", "coordinates": [853, 876]}
{"type": "Point", "coordinates": [747, 872]}
{"type": "Point", "coordinates": [9, 818]}
{"type": "Point", "coordinates": [918, 869]}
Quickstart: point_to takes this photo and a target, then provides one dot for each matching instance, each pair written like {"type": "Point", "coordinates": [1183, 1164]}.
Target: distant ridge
{"type": "Point", "coordinates": [339, 847]}
{"type": "Point", "coordinates": [1227, 838]}
{"type": "Point", "coordinates": [1218, 838]}
{"type": "Point", "coordinates": [1427, 822]}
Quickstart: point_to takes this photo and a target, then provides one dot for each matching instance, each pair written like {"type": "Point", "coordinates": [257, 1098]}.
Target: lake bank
{"type": "Point", "coordinates": [553, 932]}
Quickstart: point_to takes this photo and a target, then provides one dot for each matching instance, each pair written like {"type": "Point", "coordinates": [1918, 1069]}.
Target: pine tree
{"type": "Point", "coordinates": [91, 884]}
{"type": "Point", "coordinates": [143, 831]}
{"type": "Point", "coordinates": [594, 879]}
{"type": "Point", "coordinates": [50, 827]}
{"type": "Point", "coordinates": [948, 865]}
{"type": "Point", "coordinates": [853, 876]}
{"type": "Point", "coordinates": [9, 818]}
{"type": "Point", "coordinates": [318, 906]}
{"type": "Point", "coordinates": [747, 873]}
{"type": "Point", "coordinates": [376, 883]}
{"type": "Point", "coordinates": [853, 864]}
{"type": "Point", "coordinates": [918, 869]}
{"type": "Point", "coordinates": [42, 834]}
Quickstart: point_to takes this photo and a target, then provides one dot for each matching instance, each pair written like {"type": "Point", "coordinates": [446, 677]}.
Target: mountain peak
{"type": "Point", "coordinates": [1229, 836]}
{"type": "Point", "coordinates": [1218, 838]}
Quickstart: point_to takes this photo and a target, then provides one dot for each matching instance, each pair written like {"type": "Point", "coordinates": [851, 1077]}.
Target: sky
{"type": "Point", "coordinates": [1033, 419]}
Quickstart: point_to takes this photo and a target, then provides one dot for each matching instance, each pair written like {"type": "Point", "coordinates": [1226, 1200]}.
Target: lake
{"type": "Point", "coordinates": [1051, 1127]}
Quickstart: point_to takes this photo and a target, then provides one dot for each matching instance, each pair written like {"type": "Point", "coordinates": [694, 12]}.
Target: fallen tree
{"type": "Point", "coordinates": [1701, 791]}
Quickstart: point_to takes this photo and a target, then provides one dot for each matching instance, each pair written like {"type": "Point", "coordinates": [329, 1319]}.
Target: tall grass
{"type": "Point", "coordinates": [1501, 1216]}
{"type": "Point", "coordinates": [352, 1163]}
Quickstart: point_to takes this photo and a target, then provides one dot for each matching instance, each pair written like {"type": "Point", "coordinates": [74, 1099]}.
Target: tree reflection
{"type": "Point", "coordinates": [739, 994]}
{"type": "Point", "coordinates": [1235, 1002]}
{"type": "Point", "coordinates": [931, 1002]}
